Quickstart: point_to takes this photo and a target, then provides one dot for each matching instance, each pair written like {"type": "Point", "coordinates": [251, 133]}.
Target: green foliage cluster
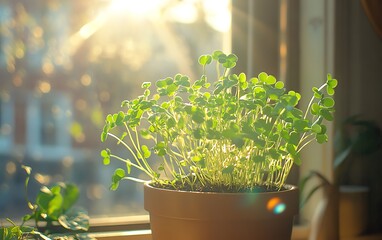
{"type": "Point", "coordinates": [52, 205]}
{"type": "Point", "coordinates": [233, 133]}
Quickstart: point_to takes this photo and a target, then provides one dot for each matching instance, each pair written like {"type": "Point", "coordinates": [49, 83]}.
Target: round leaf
{"type": "Point", "coordinates": [205, 59]}
{"type": "Point", "coordinates": [270, 80]}
{"type": "Point", "coordinates": [328, 102]}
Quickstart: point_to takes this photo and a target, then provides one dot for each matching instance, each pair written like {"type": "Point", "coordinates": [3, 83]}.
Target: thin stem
{"type": "Point", "coordinates": [132, 164]}
{"type": "Point", "coordinates": [311, 101]}
{"type": "Point", "coordinates": [305, 144]}
{"type": "Point", "coordinates": [127, 147]}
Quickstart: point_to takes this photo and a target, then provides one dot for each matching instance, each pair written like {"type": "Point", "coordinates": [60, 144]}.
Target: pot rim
{"type": "Point", "coordinates": [196, 205]}
{"type": "Point", "coordinates": [288, 188]}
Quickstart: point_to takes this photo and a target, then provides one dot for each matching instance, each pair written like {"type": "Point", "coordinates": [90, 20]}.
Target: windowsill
{"type": "Point", "coordinates": [139, 229]}
{"type": "Point", "coordinates": [123, 235]}
{"type": "Point", "coordinates": [119, 224]}
{"type": "Point", "coordinates": [300, 232]}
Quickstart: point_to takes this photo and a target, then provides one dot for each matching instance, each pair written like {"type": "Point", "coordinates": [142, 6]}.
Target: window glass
{"type": "Point", "coordinates": [64, 65]}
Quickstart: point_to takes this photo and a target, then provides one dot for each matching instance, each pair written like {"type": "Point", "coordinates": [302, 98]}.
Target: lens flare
{"type": "Point", "coordinates": [276, 206]}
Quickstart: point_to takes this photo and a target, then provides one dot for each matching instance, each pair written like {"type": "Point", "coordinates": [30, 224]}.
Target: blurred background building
{"type": "Point", "coordinates": [64, 65]}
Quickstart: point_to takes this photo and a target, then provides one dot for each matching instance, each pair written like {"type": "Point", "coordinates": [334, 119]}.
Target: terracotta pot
{"type": "Point", "coordinates": [181, 215]}
{"type": "Point", "coordinates": [353, 210]}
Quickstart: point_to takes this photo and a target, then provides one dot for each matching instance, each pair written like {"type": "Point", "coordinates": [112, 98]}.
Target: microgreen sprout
{"type": "Point", "coordinates": [234, 133]}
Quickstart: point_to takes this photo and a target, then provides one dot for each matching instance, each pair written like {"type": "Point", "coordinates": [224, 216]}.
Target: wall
{"type": "Point", "coordinates": [358, 67]}
{"type": "Point", "coordinates": [358, 63]}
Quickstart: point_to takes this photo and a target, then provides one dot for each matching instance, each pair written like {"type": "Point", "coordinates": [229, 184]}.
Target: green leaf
{"type": "Point", "coordinates": [263, 76]}
{"type": "Point", "coordinates": [317, 94]}
{"type": "Point", "coordinates": [321, 138]}
{"type": "Point", "coordinates": [106, 156]}
{"type": "Point", "coordinates": [160, 149]}
{"type": "Point", "coordinates": [228, 170]}
{"type": "Point", "coordinates": [274, 154]}
{"type": "Point", "coordinates": [146, 151]}
{"type": "Point", "coordinates": [161, 83]}
{"type": "Point", "coordinates": [197, 158]}
{"type": "Point", "coordinates": [75, 219]}
{"type": "Point", "coordinates": [146, 85]}
{"type": "Point", "coordinates": [315, 109]}
{"type": "Point", "coordinates": [50, 202]}
{"type": "Point", "coordinates": [229, 64]}
{"type": "Point", "coordinates": [292, 149]}
{"type": "Point", "coordinates": [242, 78]}
{"type": "Point", "coordinates": [270, 80]}
{"type": "Point", "coordinates": [109, 118]}
{"type": "Point", "coordinates": [171, 89]}
{"type": "Point", "coordinates": [222, 58]}
{"type": "Point", "coordinates": [145, 134]}
{"type": "Point", "coordinates": [216, 54]}
{"type": "Point", "coordinates": [71, 194]}
{"type": "Point", "coordinates": [297, 159]}
{"type": "Point", "coordinates": [294, 138]}
{"type": "Point", "coordinates": [254, 80]}
{"type": "Point", "coordinates": [198, 116]}
{"type": "Point", "coordinates": [330, 90]}
{"type": "Point", "coordinates": [232, 58]}
{"type": "Point", "coordinates": [198, 133]}
{"type": "Point", "coordinates": [279, 85]}
{"type": "Point", "coordinates": [184, 81]}
{"type": "Point", "coordinates": [300, 125]}
{"type": "Point", "coordinates": [118, 175]}
{"type": "Point", "coordinates": [326, 114]}
{"type": "Point", "coordinates": [145, 105]}
{"type": "Point", "coordinates": [125, 103]}
{"type": "Point", "coordinates": [328, 102]}
{"type": "Point", "coordinates": [205, 59]}
{"type": "Point", "coordinates": [258, 159]}
{"type": "Point", "coordinates": [332, 83]}
{"type": "Point", "coordinates": [316, 128]}
{"type": "Point", "coordinates": [147, 93]}
{"type": "Point", "coordinates": [238, 141]}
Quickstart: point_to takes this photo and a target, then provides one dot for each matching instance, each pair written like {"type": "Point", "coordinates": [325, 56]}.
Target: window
{"type": "Point", "coordinates": [65, 65]}
{"type": "Point", "coordinates": [48, 126]}
{"type": "Point", "coordinates": [6, 120]}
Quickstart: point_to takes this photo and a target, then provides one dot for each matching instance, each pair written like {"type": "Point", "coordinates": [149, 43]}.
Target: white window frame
{"type": "Point", "coordinates": [317, 39]}
{"type": "Point", "coordinates": [34, 146]}
{"type": "Point", "coordinates": [6, 121]}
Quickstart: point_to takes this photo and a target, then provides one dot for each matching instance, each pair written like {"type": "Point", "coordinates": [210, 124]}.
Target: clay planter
{"type": "Point", "coordinates": [353, 210]}
{"type": "Point", "coordinates": [176, 215]}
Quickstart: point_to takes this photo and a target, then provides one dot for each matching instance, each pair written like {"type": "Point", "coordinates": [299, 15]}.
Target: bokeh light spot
{"type": "Point", "coordinates": [86, 80]}
{"type": "Point", "coordinates": [48, 68]}
{"type": "Point", "coordinates": [10, 168]}
{"type": "Point", "coordinates": [276, 205]}
{"type": "Point", "coordinates": [42, 179]}
{"type": "Point", "coordinates": [17, 81]}
{"type": "Point", "coordinates": [44, 87]}
{"type": "Point", "coordinates": [280, 208]}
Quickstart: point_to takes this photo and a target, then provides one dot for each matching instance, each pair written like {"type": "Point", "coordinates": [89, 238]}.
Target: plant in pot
{"type": "Point", "coordinates": [217, 153]}
{"type": "Point", "coordinates": [357, 139]}
{"type": "Point", "coordinates": [53, 212]}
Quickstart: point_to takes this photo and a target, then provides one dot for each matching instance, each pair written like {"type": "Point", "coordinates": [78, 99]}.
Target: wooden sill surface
{"type": "Point", "coordinates": [123, 235]}
{"type": "Point", "coordinates": [298, 234]}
